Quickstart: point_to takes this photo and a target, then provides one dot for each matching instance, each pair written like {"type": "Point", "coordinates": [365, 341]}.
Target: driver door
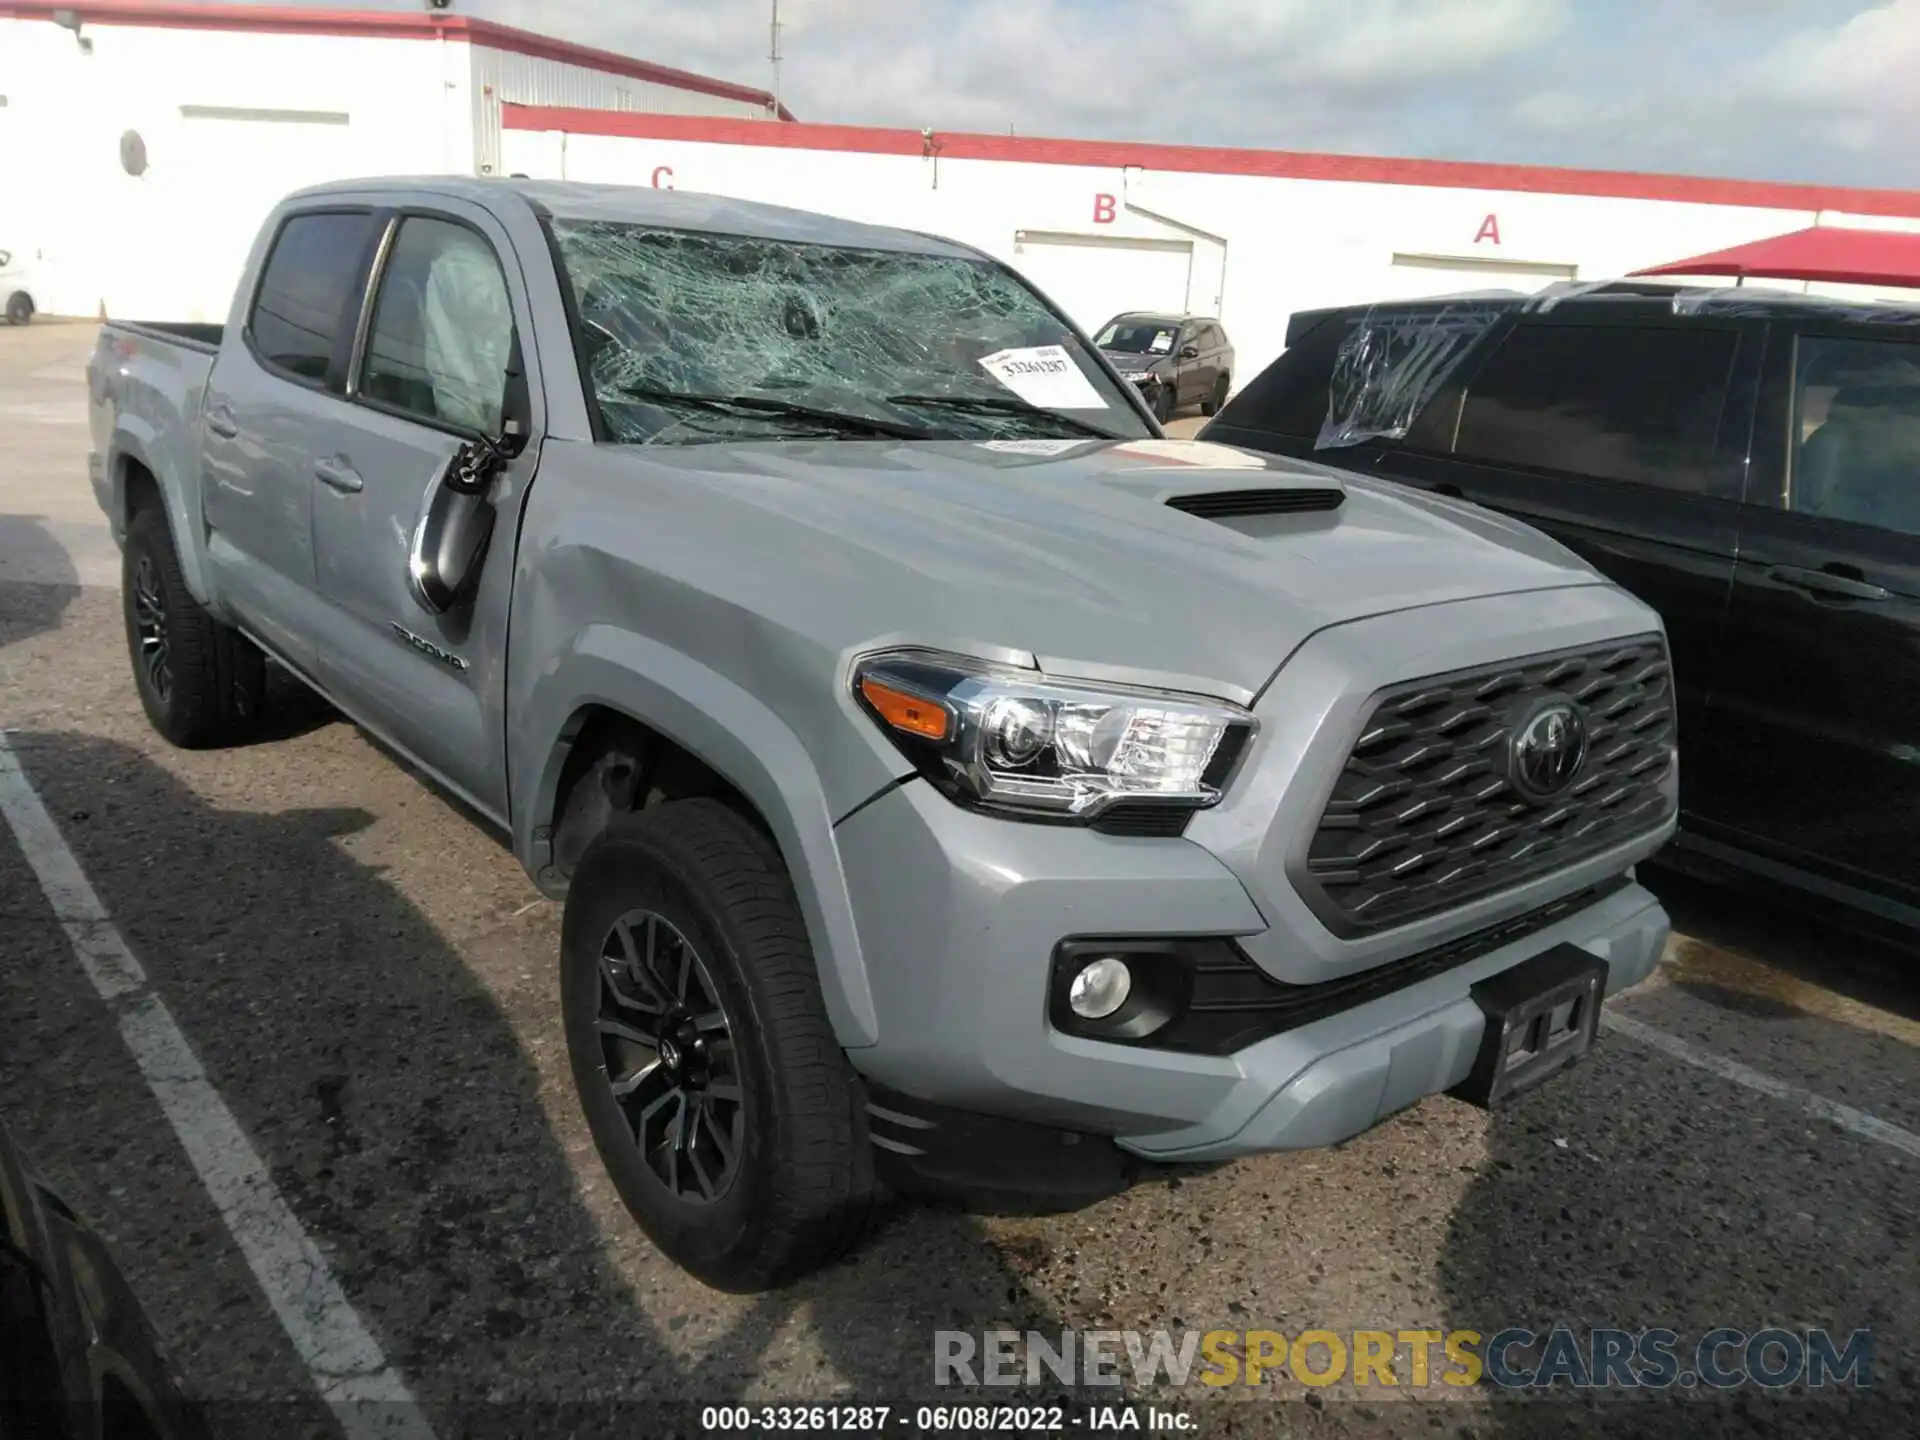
{"type": "Point", "coordinates": [430, 370]}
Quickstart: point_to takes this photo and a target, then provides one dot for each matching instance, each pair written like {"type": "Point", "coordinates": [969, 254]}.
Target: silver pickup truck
{"type": "Point", "coordinates": [951, 781]}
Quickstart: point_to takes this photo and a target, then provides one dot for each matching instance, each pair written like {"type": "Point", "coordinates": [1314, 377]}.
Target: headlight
{"type": "Point", "coordinates": [1011, 740]}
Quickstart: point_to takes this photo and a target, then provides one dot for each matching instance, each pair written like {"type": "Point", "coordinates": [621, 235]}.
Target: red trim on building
{"type": "Point", "coordinates": [1277, 164]}
{"type": "Point", "coordinates": [386, 25]}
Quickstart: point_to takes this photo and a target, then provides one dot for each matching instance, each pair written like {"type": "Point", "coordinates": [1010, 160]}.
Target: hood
{"type": "Point", "coordinates": [1064, 551]}
{"type": "Point", "coordinates": [1128, 360]}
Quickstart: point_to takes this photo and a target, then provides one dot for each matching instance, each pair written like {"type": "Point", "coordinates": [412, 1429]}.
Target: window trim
{"type": "Point", "coordinates": [333, 382]}
{"type": "Point", "coordinates": [1469, 382]}
{"type": "Point", "coordinates": [393, 219]}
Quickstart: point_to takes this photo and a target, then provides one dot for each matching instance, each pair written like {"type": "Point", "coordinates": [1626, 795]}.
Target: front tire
{"type": "Point", "coordinates": [1163, 406]}
{"type": "Point", "coordinates": [718, 1097]}
{"type": "Point", "coordinates": [202, 683]}
{"type": "Point", "coordinates": [19, 308]}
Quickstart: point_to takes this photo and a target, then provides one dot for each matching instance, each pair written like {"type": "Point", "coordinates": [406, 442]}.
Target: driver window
{"type": "Point", "coordinates": [442, 328]}
{"type": "Point", "coordinates": [1857, 432]}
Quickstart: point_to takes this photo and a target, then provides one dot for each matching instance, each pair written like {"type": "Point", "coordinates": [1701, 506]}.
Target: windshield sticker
{"type": "Point", "coordinates": [1162, 343]}
{"type": "Point", "coordinates": [1031, 447]}
{"type": "Point", "coordinates": [1043, 375]}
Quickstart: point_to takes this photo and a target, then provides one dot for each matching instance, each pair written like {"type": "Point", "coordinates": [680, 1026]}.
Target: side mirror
{"type": "Point", "coordinates": [1189, 352]}
{"type": "Point", "coordinates": [450, 544]}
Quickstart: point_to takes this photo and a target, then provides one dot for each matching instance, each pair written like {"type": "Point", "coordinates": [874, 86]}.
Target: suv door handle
{"type": "Point", "coordinates": [338, 472]}
{"type": "Point", "coordinates": [221, 422]}
{"type": "Point", "coordinates": [1826, 582]}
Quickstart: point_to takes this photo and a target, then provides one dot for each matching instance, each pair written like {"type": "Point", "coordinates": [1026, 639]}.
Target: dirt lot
{"type": "Point", "coordinates": [369, 984]}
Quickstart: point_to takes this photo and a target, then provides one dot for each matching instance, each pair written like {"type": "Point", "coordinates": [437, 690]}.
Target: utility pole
{"type": "Point", "coordinates": [773, 54]}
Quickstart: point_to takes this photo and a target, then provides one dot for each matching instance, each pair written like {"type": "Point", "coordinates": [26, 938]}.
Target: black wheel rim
{"type": "Point", "coordinates": [667, 1053]}
{"type": "Point", "coordinates": [150, 629]}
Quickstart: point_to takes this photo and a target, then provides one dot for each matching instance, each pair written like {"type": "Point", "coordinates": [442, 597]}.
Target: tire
{"type": "Point", "coordinates": [1211, 405]}
{"type": "Point", "coordinates": [748, 1050]}
{"type": "Point", "coordinates": [203, 684]}
{"type": "Point", "coordinates": [19, 308]}
{"type": "Point", "coordinates": [1163, 406]}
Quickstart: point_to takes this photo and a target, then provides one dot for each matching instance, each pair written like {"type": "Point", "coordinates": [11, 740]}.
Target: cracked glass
{"type": "Point", "coordinates": [692, 337]}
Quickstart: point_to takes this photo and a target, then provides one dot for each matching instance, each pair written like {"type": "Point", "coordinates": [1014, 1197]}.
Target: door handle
{"type": "Point", "coordinates": [1824, 582]}
{"type": "Point", "coordinates": [221, 422]}
{"type": "Point", "coordinates": [338, 472]}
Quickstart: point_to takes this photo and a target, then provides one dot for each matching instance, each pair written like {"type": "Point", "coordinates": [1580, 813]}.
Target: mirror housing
{"type": "Point", "coordinates": [1189, 352]}
{"type": "Point", "coordinates": [450, 544]}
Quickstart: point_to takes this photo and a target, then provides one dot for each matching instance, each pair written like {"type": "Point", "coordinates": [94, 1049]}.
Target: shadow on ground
{"type": "Point", "coordinates": [37, 579]}
{"type": "Point", "coordinates": [398, 1110]}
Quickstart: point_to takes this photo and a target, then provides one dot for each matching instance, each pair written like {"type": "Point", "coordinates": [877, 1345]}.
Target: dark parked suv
{"type": "Point", "coordinates": [1175, 360]}
{"type": "Point", "coordinates": [1748, 463]}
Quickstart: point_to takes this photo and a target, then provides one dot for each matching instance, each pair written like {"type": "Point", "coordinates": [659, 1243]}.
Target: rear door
{"type": "Point", "coordinates": [1282, 409]}
{"type": "Point", "coordinates": [431, 371]}
{"type": "Point", "coordinates": [1818, 702]}
{"type": "Point", "coordinates": [275, 388]}
{"type": "Point", "coordinates": [1623, 434]}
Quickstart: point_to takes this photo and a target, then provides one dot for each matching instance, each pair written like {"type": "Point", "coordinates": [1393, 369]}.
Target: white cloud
{"type": "Point", "coordinates": [1747, 87]}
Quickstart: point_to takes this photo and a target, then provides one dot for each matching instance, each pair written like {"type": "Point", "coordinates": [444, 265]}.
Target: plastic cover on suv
{"type": "Point", "coordinates": [1425, 815]}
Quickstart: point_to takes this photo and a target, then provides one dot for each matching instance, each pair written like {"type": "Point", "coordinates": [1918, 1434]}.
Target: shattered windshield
{"type": "Point", "coordinates": [692, 338]}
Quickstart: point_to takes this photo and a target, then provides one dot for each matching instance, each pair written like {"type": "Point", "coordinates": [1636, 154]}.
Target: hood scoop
{"type": "Point", "coordinates": [1242, 504]}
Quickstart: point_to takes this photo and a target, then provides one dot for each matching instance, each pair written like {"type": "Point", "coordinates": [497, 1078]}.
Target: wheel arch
{"type": "Point", "coordinates": [617, 698]}
{"type": "Point", "coordinates": [137, 478]}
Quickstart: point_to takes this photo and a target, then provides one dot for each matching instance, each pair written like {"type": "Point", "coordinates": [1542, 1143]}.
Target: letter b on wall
{"type": "Point", "coordinates": [1103, 209]}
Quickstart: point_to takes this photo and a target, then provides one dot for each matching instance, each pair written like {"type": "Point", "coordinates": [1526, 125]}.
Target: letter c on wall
{"type": "Point", "coordinates": [663, 177]}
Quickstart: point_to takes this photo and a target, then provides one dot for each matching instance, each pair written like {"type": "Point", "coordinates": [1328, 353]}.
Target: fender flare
{"type": "Point", "coordinates": [737, 736]}
{"type": "Point", "coordinates": [135, 441]}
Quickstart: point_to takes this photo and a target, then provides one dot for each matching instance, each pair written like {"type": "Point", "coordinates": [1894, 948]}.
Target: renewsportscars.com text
{"type": "Point", "coordinates": [1511, 1359]}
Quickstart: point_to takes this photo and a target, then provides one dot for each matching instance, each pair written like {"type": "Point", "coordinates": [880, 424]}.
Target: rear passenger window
{"type": "Point", "coordinates": [1609, 402]}
{"type": "Point", "coordinates": [1857, 432]}
{"type": "Point", "coordinates": [308, 291]}
{"type": "Point", "coordinates": [1289, 397]}
{"type": "Point", "coordinates": [442, 328]}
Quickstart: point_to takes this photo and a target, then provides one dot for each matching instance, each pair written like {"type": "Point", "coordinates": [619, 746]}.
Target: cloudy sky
{"type": "Point", "coordinates": [1816, 90]}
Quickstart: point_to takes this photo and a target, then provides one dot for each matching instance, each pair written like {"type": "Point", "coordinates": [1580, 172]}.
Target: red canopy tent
{"type": "Point", "coordinates": [1825, 253]}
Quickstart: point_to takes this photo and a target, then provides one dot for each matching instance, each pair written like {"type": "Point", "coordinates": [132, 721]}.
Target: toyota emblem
{"type": "Point", "coordinates": [1549, 747]}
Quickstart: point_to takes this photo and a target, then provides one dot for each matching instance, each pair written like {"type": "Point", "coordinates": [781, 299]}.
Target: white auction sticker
{"type": "Point", "coordinates": [1043, 375]}
{"type": "Point", "coordinates": [1031, 447]}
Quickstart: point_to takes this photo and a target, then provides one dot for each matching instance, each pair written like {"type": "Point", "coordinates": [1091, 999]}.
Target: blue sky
{"type": "Point", "coordinates": [1815, 90]}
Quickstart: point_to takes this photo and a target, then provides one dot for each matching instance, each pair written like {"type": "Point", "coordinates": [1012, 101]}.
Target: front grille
{"type": "Point", "coordinates": [1424, 816]}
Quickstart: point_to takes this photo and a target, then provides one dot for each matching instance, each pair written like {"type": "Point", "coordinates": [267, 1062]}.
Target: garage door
{"type": "Point", "coordinates": [1093, 278]}
{"type": "Point", "coordinates": [1415, 276]}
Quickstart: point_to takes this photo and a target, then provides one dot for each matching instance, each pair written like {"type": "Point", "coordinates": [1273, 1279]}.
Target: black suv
{"type": "Point", "coordinates": [1176, 360]}
{"type": "Point", "coordinates": [1748, 463]}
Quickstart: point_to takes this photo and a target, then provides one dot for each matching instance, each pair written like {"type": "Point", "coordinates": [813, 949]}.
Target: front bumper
{"type": "Point", "coordinates": [960, 914]}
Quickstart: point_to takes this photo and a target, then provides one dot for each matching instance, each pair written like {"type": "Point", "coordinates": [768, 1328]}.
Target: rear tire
{"type": "Point", "coordinates": [720, 1040]}
{"type": "Point", "coordinates": [19, 308]}
{"type": "Point", "coordinates": [1211, 405]}
{"type": "Point", "coordinates": [203, 684]}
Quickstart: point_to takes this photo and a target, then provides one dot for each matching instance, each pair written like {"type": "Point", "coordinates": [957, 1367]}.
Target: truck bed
{"type": "Point", "coordinates": [193, 335]}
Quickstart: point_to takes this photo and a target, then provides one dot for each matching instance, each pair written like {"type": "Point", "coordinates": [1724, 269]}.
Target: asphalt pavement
{"type": "Point", "coordinates": [369, 985]}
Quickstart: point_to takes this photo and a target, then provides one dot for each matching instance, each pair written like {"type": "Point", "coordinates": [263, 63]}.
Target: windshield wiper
{"type": "Point", "coordinates": [767, 405]}
{"type": "Point", "coordinates": [1005, 405]}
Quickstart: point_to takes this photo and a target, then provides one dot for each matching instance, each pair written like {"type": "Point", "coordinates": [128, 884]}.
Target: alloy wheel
{"type": "Point", "coordinates": [150, 627]}
{"type": "Point", "coordinates": [667, 1052]}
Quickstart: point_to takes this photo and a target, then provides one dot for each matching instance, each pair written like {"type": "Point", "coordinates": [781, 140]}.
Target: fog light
{"type": "Point", "coordinates": [1100, 989]}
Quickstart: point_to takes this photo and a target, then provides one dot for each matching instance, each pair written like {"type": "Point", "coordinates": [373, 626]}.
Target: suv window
{"type": "Point", "coordinates": [1289, 397]}
{"type": "Point", "coordinates": [307, 290]}
{"type": "Point", "coordinates": [1856, 432]}
{"type": "Point", "coordinates": [442, 328]}
{"type": "Point", "coordinates": [1608, 402]}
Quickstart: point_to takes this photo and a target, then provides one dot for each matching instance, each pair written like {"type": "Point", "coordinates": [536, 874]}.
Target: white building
{"type": "Point", "coordinates": [1248, 235]}
{"type": "Point", "coordinates": [141, 144]}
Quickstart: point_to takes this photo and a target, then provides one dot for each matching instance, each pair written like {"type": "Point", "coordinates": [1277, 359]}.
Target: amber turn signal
{"type": "Point", "coordinates": [910, 714]}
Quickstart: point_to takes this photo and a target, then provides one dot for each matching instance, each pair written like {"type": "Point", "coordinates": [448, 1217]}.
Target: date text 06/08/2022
{"type": "Point", "coordinates": [937, 1419]}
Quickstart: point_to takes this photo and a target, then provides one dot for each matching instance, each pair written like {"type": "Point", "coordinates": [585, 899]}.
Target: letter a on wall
{"type": "Point", "coordinates": [1489, 230]}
